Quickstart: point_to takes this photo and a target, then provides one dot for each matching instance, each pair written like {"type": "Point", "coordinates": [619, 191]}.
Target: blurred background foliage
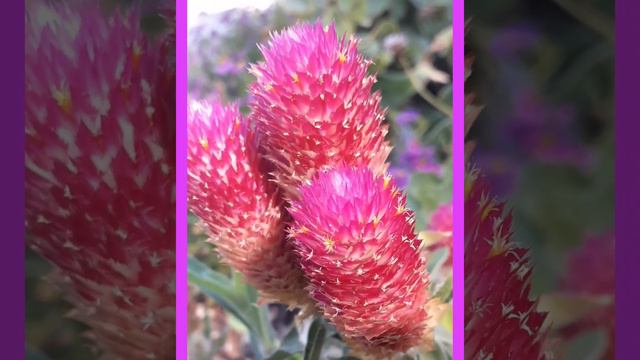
{"type": "Point", "coordinates": [545, 139]}
{"type": "Point", "coordinates": [410, 44]}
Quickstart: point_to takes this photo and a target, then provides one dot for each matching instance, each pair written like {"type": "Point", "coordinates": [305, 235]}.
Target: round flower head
{"type": "Point", "coordinates": [312, 100]}
{"type": "Point", "coordinates": [358, 249]}
{"type": "Point", "coordinates": [240, 208]}
{"type": "Point", "coordinates": [501, 322]}
{"type": "Point", "coordinates": [99, 172]}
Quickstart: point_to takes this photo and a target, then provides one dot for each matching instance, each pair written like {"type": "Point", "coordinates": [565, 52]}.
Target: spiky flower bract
{"type": "Point", "coordinates": [501, 321]}
{"type": "Point", "coordinates": [99, 172]}
{"type": "Point", "coordinates": [240, 207]}
{"type": "Point", "coordinates": [359, 251]}
{"type": "Point", "coordinates": [313, 101]}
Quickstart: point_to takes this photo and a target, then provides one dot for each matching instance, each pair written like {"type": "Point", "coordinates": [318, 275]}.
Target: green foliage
{"type": "Point", "coordinates": [238, 298]}
{"type": "Point", "coordinates": [317, 334]}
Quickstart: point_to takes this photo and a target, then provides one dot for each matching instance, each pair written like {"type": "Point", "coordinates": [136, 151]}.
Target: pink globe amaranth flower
{"type": "Point", "coordinates": [359, 251]}
{"type": "Point", "coordinates": [312, 100]}
{"type": "Point", "coordinates": [591, 273]}
{"type": "Point", "coordinates": [441, 229]}
{"type": "Point", "coordinates": [501, 321]}
{"type": "Point", "coordinates": [239, 206]}
{"type": "Point", "coordinates": [99, 175]}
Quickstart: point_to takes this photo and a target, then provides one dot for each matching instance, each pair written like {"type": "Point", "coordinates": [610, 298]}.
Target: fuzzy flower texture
{"type": "Point", "coordinates": [312, 100]}
{"type": "Point", "coordinates": [358, 248]}
{"type": "Point", "coordinates": [99, 149]}
{"type": "Point", "coordinates": [316, 132]}
{"type": "Point", "coordinates": [229, 190]}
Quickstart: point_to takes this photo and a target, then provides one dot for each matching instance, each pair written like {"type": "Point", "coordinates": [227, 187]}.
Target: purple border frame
{"type": "Point", "coordinates": [627, 180]}
{"type": "Point", "coordinates": [12, 191]}
{"type": "Point", "coordinates": [458, 179]}
{"type": "Point", "coordinates": [181, 180]}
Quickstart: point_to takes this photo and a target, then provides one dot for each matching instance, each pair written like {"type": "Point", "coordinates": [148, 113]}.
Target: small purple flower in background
{"type": "Point", "coordinates": [501, 170]}
{"type": "Point", "coordinates": [413, 157]}
{"type": "Point", "coordinates": [510, 41]}
{"type": "Point", "coordinates": [420, 158]}
{"type": "Point", "coordinates": [545, 132]}
{"type": "Point", "coordinates": [400, 175]}
{"type": "Point", "coordinates": [229, 67]}
{"type": "Point", "coordinates": [408, 116]}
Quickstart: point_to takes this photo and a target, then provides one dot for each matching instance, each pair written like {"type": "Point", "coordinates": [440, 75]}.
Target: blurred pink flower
{"type": "Point", "coordinates": [591, 272]}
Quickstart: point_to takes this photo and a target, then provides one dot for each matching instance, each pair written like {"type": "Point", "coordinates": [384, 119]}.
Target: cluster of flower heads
{"type": "Point", "coordinates": [334, 232]}
{"type": "Point", "coordinates": [99, 148]}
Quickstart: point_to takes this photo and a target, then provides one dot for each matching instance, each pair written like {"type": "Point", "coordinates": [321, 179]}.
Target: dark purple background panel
{"type": "Point", "coordinates": [627, 179]}
{"type": "Point", "coordinates": [12, 190]}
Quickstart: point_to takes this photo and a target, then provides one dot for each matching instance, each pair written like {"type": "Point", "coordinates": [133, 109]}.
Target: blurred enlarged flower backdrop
{"type": "Point", "coordinates": [99, 145]}
{"type": "Point", "coordinates": [320, 181]}
{"type": "Point", "coordinates": [544, 145]}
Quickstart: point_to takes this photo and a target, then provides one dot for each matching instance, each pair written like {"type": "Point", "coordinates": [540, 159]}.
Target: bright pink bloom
{"type": "Point", "coordinates": [239, 206]}
{"type": "Point", "coordinates": [99, 172]}
{"type": "Point", "coordinates": [359, 251]}
{"type": "Point", "coordinates": [312, 100]}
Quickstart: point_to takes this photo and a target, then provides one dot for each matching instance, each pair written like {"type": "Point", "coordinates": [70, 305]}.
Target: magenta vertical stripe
{"type": "Point", "coordinates": [181, 180]}
{"type": "Point", "coordinates": [458, 179]}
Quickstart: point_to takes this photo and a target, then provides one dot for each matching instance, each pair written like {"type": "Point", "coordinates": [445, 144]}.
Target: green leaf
{"type": "Point", "coordinates": [395, 87]}
{"type": "Point", "coordinates": [588, 346]}
{"type": "Point", "coordinates": [291, 348]}
{"type": "Point", "coordinates": [32, 354]}
{"type": "Point", "coordinates": [236, 297]}
{"type": "Point", "coordinates": [376, 8]}
{"type": "Point", "coordinates": [315, 340]}
{"type": "Point", "coordinates": [445, 291]}
{"type": "Point", "coordinates": [284, 355]}
{"type": "Point", "coordinates": [427, 191]}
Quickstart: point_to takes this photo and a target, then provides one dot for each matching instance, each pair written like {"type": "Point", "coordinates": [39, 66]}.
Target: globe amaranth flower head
{"type": "Point", "coordinates": [358, 249]}
{"type": "Point", "coordinates": [99, 172]}
{"type": "Point", "coordinates": [313, 101]}
{"type": "Point", "coordinates": [240, 207]}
